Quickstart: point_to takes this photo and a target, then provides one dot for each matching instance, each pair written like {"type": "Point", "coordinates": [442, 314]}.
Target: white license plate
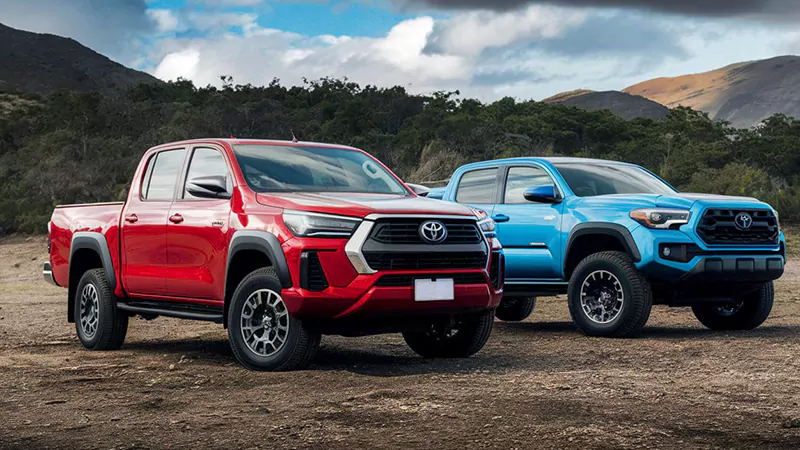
{"type": "Point", "coordinates": [434, 290]}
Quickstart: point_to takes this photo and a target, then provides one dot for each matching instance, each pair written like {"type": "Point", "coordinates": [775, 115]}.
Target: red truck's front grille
{"type": "Point", "coordinates": [425, 261]}
{"type": "Point", "coordinates": [406, 231]}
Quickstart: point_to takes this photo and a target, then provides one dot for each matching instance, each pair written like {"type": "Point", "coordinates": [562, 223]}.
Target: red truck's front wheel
{"type": "Point", "coordinates": [262, 333]}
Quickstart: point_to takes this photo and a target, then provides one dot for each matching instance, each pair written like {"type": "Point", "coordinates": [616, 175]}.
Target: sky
{"type": "Point", "coordinates": [485, 49]}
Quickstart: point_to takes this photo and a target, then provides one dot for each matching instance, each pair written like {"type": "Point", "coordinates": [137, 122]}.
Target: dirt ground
{"type": "Point", "coordinates": [537, 384]}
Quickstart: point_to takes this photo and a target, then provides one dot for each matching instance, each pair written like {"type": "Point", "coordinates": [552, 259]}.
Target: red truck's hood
{"type": "Point", "coordinates": [361, 205]}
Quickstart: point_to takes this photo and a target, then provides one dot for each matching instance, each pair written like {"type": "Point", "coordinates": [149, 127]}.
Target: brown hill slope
{"type": "Point", "coordinates": [623, 105]}
{"type": "Point", "coordinates": [43, 63]}
{"type": "Point", "coordinates": [743, 94]}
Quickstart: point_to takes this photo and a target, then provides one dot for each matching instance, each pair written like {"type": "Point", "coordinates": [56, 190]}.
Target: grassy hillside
{"type": "Point", "coordinates": [44, 63]}
{"type": "Point", "coordinates": [743, 94]}
{"type": "Point", "coordinates": [623, 105]}
{"type": "Point", "coordinates": [82, 147]}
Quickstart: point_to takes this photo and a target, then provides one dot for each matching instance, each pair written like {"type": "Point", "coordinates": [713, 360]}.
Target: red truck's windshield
{"type": "Point", "coordinates": [272, 168]}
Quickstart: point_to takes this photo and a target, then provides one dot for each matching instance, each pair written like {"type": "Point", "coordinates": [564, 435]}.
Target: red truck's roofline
{"type": "Point", "coordinates": [233, 141]}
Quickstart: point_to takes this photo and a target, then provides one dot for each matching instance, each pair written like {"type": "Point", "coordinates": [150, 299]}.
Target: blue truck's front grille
{"type": "Point", "coordinates": [719, 227]}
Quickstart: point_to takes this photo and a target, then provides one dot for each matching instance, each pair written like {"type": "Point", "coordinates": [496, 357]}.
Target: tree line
{"type": "Point", "coordinates": [83, 147]}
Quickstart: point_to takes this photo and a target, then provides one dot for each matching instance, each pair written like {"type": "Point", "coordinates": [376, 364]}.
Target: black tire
{"type": "Point", "coordinates": [300, 344]}
{"type": "Point", "coordinates": [637, 301]}
{"type": "Point", "coordinates": [748, 313]}
{"type": "Point", "coordinates": [515, 309]}
{"type": "Point", "coordinates": [469, 335]}
{"type": "Point", "coordinates": [111, 323]}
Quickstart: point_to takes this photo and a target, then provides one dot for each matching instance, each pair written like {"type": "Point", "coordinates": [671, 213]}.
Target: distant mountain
{"type": "Point", "coordinates": [623, 105]}
{"type": "Point", "coordinates": [43, 63]}
{"type": "Point", "coordinates": [743, 94]}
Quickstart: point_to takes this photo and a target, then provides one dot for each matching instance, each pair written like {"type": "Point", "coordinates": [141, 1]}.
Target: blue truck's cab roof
{"type": "Point", "coordinates": [549, 161]}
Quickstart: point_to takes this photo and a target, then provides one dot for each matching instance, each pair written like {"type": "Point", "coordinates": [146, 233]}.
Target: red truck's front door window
{"type": "Point", "coordinates": [144, 225]}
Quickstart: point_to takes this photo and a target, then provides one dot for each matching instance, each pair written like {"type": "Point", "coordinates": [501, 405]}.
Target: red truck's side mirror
{"type": "Point", "coordinates": [213, 186]}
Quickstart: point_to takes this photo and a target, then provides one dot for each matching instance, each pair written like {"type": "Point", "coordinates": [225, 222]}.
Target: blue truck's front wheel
{"type": "Point", "coordinates": [608, 296]}
{"type": "Point", "coordinates": [745, 313]}
{"type": "Point", "coordinates": [515, 309]}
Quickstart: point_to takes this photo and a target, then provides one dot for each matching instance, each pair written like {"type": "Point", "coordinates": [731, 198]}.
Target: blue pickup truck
{"type": "Point", "coordinates": [617, 239]}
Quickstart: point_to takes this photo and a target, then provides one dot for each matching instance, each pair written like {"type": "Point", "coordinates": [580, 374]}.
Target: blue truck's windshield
{"type": "Point", "coordinates": [273, 168]}
{"type": "Point", "coordinates": [589, 180]}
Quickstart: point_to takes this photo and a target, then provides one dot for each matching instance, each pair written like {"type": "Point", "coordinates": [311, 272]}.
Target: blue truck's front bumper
{"type": "Point", "coordinates": [751, 264]}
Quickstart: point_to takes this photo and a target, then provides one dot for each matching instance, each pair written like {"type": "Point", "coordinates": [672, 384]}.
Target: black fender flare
{"type": "Point", "coordinates": [264, 242]}
{"type": "Point", "coordinates": [620, 232]}
{"type": "Point", "coordinates": [96, 242]}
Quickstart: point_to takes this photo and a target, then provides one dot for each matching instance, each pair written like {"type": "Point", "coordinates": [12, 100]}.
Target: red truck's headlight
{"type": "Point", "coordinates": [485, 223]}
{"type": "Point", "coordinates": [306, 224]}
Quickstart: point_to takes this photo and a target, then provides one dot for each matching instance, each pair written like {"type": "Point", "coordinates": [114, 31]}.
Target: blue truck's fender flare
{"type": "Point", "coordinates": [620, 232]}
{"type": "Point", "coordinates": [264, 242]}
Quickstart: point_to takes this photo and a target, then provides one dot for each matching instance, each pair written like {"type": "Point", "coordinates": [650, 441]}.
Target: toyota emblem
{"type": "Point", "coordinates": [433, 232]}
{"type": "Point", "coordinates": [743, 221]}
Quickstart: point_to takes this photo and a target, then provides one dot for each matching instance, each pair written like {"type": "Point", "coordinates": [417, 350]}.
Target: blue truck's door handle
{"type": "Point", "coordinates": [500, 218]}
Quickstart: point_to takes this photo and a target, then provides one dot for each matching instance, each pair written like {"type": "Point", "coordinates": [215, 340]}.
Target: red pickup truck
{"type": "Point", "coordinates": [281, 242]}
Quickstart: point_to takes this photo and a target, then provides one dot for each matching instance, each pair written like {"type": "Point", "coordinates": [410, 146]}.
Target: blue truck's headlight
{"type": "Point", "coordinates": [661, 218]}
{"type": "Point", "coordinates": [305, 224]}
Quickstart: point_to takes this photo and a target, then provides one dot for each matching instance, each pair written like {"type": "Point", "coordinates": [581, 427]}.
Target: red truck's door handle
{"type": "Point", "coordinates": [176, 218]}
{"type": "Point", "coordinates": [131, 218]}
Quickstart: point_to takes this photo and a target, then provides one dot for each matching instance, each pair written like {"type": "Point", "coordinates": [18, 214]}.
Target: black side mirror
{"type": "Point", "coordinates": [419, 189]}
{"type": "Point", "coordinates": [542, 194]}
{"type": "Point", "coordinates": [213, 186]}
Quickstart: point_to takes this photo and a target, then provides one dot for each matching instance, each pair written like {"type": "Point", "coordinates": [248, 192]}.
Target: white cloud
{"type": "Point", "coordinates": [219, 3]}
{"type": "Point", "coordinates": [164, 18]}
{"type": "Point", "coordinates": [219, 21]}
{"type": "Point", "coordinates": [472, 32]}
{"type": "Point", "coordinates": [182, 64]}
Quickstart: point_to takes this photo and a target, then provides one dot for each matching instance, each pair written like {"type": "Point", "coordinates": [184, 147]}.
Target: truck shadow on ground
{"type": "Point", "coordinates": [653, 332]}
{"type": "Point", "coordinates": [350, 355]}
{"type": "Point", "coordinates": [377, 357]}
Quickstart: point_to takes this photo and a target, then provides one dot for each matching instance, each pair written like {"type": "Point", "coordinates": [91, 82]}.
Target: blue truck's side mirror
{"type": "Point", "coordinates": [437, 193]}
{"type": "Point", "coordinates": [419, 189]}
{"type": "Point", "coordinates": [542, 194]}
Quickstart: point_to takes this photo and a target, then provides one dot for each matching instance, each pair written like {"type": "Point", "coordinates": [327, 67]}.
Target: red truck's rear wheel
{"type": "Point", "coordinates": [100, 325]}
{"type": "Point", "coordinates": [262, 333]}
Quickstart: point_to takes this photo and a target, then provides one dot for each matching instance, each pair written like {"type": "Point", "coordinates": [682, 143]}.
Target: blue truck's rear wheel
{"type": "Point", "coordinates": [461, 339]}
{"type": "Point", "coordinates": [98, 322]}
{"type": "Point", "coordinates": [515, 309]}
{"type": "Point", "coordinates": [262, 333]}
{"type": "Point", "coordinates": [608, 297]}
{"type": "Point", "coordinates": [745, 313]}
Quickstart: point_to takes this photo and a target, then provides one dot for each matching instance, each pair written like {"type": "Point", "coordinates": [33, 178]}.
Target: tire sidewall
{"type": "Point", "coordinates": [102, 308]}
{"type": "Point", "coordinates": [576, 284]}
{"type": "Point", "coordinates": [247, 356]}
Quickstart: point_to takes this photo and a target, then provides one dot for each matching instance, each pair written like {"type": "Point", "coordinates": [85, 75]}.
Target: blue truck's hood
{"type": "Point", "coordinates": [680, 201]}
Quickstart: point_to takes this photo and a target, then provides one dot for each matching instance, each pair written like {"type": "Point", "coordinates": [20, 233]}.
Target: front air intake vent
{"type": "Point", "coordinates": [425, 261]}
{"type": "Point", "coordinates": [312, 277]}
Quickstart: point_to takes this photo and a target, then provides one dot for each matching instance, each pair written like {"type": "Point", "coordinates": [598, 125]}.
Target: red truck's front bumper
{"type": "Point", "coordinates": [387, 293]}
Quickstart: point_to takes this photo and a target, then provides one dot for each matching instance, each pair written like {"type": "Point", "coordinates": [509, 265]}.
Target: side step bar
{"type": "Point", "coordinates": [178, 311]}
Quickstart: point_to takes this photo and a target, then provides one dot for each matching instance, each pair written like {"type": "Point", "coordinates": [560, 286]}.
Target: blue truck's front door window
{"type": "Point", "coordinates": [530, 237]}
{"type": "Point", "coordinates": [478, 189]}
